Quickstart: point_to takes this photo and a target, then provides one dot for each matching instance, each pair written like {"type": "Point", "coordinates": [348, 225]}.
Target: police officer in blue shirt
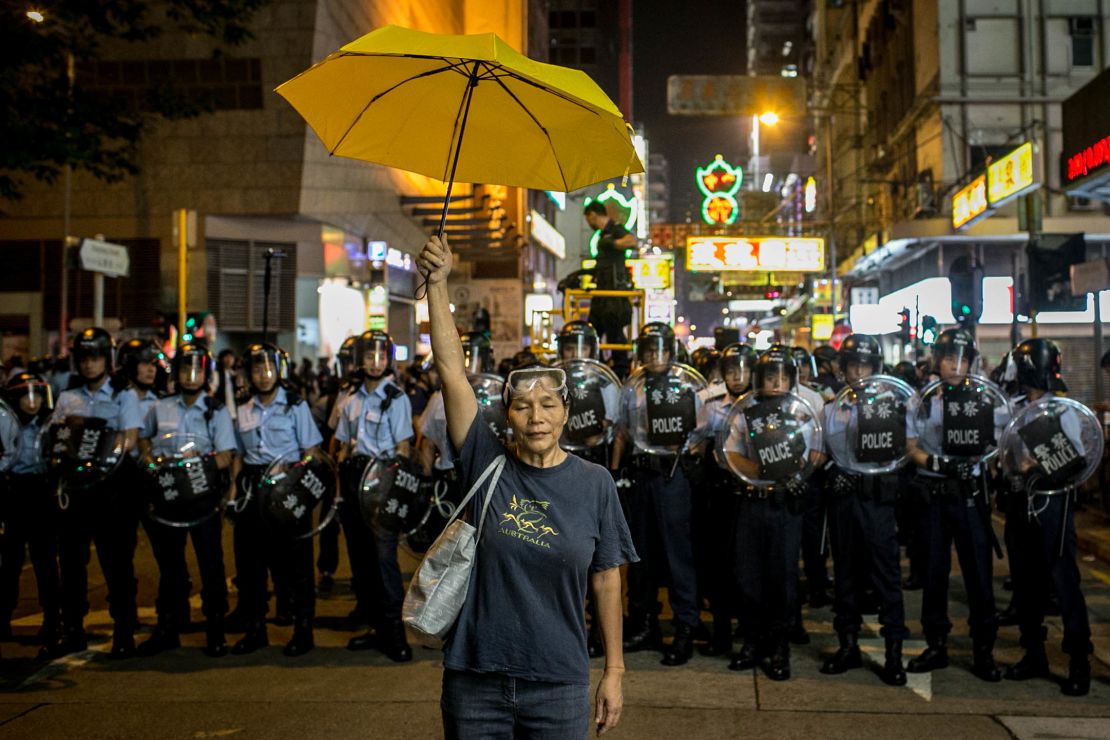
{"type": "Point", "coordinates": [98, 514]}
{"type": "Point", "coordinates": [29, 514]}
{"type": "Point", "coordinates": [274, 423]}
{"type": "Point", "coordinates": [192, 411]}
{"type": "Point", "coordinates": [1044, 554]}
{"type": "Point", "coordinates": [376, 422]}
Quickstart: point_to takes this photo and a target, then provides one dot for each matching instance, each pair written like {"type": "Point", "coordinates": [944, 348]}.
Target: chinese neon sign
{"type": "Point", "coordinates": [1011, 175]}
{"type": "Point", "coordinates": [1092, 158]}
{"type": "Point", "coordinates": [755, 253]}
{"type": "Point", "coordinates": [626, 207]}
{"type": "Point", "coordinates": [970, 203]}
{"type": "Point", "coordinates": [811, 195]}
{"type": "Point", "coordinates": [719, 183]}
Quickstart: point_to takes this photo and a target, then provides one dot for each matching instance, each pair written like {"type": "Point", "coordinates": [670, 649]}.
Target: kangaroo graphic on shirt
{"type": "Point", "coordinates": [528, 516]}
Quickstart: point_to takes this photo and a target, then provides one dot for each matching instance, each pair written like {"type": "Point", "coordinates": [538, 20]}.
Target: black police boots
{"type": "Point", "coordinates": [254, 638]}
{"type": "Point", "coordinates": [893, 673]}
{"type": "Point", "coordinates": [934, 657]}
{"type": "Point", "coordinates": [681, 647]}
{"type": "Point", "coordinates": [846, 657]}
{"type": "Point", "coordinates": [778, 665]}
{"type": "Point", "coordinates": [1034, 664]}
{"type": "Point", "coordinates": [69, 640]}
{"type": "Point", "coordinates": [642, 634]}
{"type": "Point", "coordinates": [163, 638]}
{"type": "Point", "coordinates": [302, 640]}
{"type": "Point", "coordinates": [983, 665]}
{"type": "Point", "coordinates": [123, 643]}
{"type": "Point", "coordinates": [215, 644]}
{"type": "Point", "coordinates": [721, 640]}
{"type": "Point", "coordinates": [1078, 681]}
{"type": "Point", "coordinates": [393, 643]}
{"type": "Point", "coordinates": [747, 658]}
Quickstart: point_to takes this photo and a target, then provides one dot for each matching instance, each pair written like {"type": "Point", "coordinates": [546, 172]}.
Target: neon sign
{"type": "Point", "coordinates": [1092, 158]}
{"type": "Point", "coordinates": [754, 253]}
{"type": "Point", "coordinates": [622, 204]}
{"type": "Point", "coordinates": [1011, 175]}
{"type": "Point", "coordinates": [811, 195]}
{"type": "Point", "coordinates": [969, 203]}
{"type": "Point", "coordinates": [719, 183]}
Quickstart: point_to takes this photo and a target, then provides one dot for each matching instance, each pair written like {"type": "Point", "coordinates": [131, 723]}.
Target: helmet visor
{"type": "Point", "coordinates": [955, 361]}
{"type": "Point", "coordinates": [375, 357]}
{"type": "Point", "coordinates": [653, 350]}
{"type": "Point", "coordinates": [33, 396]}
{"type": "Point", "coordinates": [474, 357]}
{"type": "Point", "coordinates": [264, 368]}
{"type": "Point", "coordinates": [774, 379]}
{"type": "Point", "coordinates": [190, 371]}
{"type": "Point", "coordinates": [737, 373]}
{"type": "Point", "coordinates": [577, 347]}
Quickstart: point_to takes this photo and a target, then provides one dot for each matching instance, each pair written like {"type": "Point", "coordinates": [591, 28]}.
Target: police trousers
{"type": "Point", "coordinates": [168, 545]}
{"type": "Point", "coordinates": [768, 537]}
{"type": "Point", "coordinates": [659, 520]}
{"type": "Point", "coordinates": [1037, 566]}
{"type": "Point", "coordinates": [257, 546]}
{"type": "Point", "coordinates": [30, 517]}
{"type": "Point", "coordinates": [862, 525]}
{"type": "Point", "coordinates": [372, 552]}
{"type": "Point", "coordinates": [953, 516]}
{"type": "Point", "coordinates": [106, 514]}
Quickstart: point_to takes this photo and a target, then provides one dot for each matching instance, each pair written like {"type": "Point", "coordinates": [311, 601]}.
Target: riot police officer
{"type": "Point", "coordinates": [197, 420]}
{"type": "Point", "coordinates": [338, 392]}
{"type": "Point", "coordinates": [98, 514]}
{"type": "Point", "coordinates": [273, 424]}
{"type": "Point", "coordinates": [956, 509]}
{"type": "Point", "coordinates": [659, 507]}
{"type": "Point", "coordinates": [862, 516]}
{"type": "Point", "coordinates": [29, 514]}
{"type": "Point", "coordinates": [577, 340]}
{"type": "Point", "coordinates": [1044, 556]}
{"type": "Point", "coordinates": [768, 519]}
{"type": "Point", "coordinates": [376, 423]}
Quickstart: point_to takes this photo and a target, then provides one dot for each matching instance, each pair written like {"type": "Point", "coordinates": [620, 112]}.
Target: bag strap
{"type": "Point", "coordinates": [493, 467]}
{"type": "Point", "coordinates": [489, 496]}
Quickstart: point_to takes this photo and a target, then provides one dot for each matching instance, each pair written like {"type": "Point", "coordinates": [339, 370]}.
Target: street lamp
{"type": "Point", "coordinates": [767, 118]}
{"type": "Point", "coordinates": [36, 16]}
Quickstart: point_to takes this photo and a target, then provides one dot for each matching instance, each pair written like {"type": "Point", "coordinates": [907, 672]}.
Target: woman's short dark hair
{"type": "Point", "coordinates": [594, 207]}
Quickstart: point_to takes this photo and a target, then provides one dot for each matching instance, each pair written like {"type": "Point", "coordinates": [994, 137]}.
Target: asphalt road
{"type": "Point", "coordinates": [337, 694]}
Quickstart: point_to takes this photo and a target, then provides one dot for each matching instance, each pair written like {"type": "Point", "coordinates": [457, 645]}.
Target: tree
{"type": "Point", "coordinates": [51, 117]}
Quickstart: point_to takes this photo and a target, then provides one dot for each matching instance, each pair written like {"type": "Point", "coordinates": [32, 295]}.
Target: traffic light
{"type": "Point", "coordinates": [905, 328]}
{"type": "Point", "coordinates": [966, 277]}
{"type": "Point", "coordinates": [928, 329]}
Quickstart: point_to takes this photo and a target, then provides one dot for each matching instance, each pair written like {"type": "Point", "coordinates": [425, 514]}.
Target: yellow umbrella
{"type": "Point", "coordinates": [407, 99]}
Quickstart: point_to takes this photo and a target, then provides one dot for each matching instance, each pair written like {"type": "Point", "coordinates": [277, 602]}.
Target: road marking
{"type": "Point", "coordinates": [1101, 576]}
{"type": "Point", "coordinates": [63, 664]}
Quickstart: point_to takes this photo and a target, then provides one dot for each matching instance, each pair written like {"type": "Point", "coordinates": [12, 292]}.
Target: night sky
{"type": "Point", "coordinates": [686, 37]}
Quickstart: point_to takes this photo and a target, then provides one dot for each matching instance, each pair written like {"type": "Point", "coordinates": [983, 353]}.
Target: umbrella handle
{"type": "Point", "coordinates": [422, 289]}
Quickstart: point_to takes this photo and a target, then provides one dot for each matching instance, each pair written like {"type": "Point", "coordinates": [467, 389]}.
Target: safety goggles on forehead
{"type": "Point", "coordinates": [523, 381]}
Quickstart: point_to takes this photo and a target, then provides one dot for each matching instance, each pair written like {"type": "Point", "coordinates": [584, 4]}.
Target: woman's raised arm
{"type": "Point", "coordinates": [458, 398]}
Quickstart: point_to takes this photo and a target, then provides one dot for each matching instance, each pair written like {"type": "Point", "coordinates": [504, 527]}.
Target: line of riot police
{"type": "Point", "coordinates": [731, 469]}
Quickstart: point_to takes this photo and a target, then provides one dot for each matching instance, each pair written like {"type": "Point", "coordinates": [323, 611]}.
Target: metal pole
{"type": "Point", "coordinates": [831, 216]}
{"type": "Point", "coordinates": [269, 255]}
{"type": "Point", "coordinates": [63, 301]}
{"type": "Point", "coordinates": [98, 299]}
{"type": "Point", "coordinates": [182, 268]}
{"type": "Point", "coordinates": [1098, 349]}
{"type": "Point", "coordinates": [1015, 327]}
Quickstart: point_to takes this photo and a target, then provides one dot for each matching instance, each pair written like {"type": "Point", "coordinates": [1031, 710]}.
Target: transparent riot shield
{"type": "Point", "coordinates": [394, 496]}
{"type": "Point", "coordinates": [660, 409]}
{"type": "Point", "coordinates": [769, 440]}
{"type": "Point", "coordinates": [488, 392]}
{"type": "Point", "coordinates": [298, 499]}
{"type": "Point", "coordinates": [594, 397]}
{"type": "Point", "coordinates": [1051, 447]}
{"type": "Point", "coordinates": [81, 451]}
{"type": "Point", "coordinates": [865, 425]}
{"type": "Point", "coordinates": [187, 488]}
{"type": "Point", "coordinates": [961, 421]}
{"type": "Point", "coordinates": [446, 493]}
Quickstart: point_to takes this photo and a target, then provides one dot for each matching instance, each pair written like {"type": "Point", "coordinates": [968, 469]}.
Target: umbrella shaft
{"type": "Point", "coordinates": [458, 147]}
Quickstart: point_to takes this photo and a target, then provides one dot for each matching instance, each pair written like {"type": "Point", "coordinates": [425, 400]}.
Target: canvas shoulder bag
{"type": "Point", "coordinates": [438, 589]}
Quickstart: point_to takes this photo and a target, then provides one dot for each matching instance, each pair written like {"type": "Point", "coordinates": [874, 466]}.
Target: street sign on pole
{"type": "Point", "coordinates": [104, 257]}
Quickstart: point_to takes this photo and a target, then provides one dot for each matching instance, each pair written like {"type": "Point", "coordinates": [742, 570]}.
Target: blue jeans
{"type": "Point", "coordinates": [493, 705]}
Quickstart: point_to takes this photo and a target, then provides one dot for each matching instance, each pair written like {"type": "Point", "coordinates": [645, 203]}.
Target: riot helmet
{"type": "Point", "coordinates": [737, 362]}
{"type": "Point", "coordinates": [29, 394]}
{"type": "Point", "coordinates": [266, 366]}
{"type": "Point", "coordinates": [706, 360]}
{"type": "Point", "coordinates": [192, 367]}
{"type": "Point", "coordinates": [135, 352]}
{"type": "Point", "coordinates": [1038, 365]}
{"type": "Point", "coordinates": [826, 358]}
{"type": "Point", "coordinates": [655, 347]}
{"type": "Point", "coordinates": [807, 366]}
{"type": "Point", "coordinates": [345, 358]}
{"type": "Point", "coordinates": [374, 354]}
{"type": "Point", "coordinates": [577, 340]}
{"type": "Point", "coordinates": [775, 371]}
{"type": "Point", "coordinates": [906, 372]}
{"type": "Point", "coordinates": [725, 336]}
{"type": "Point", "coordinates": [954, 354]}
{"type": "Point", "coordinates": [92, 344]}
{"type": "Point", "coordinates": [477, 353]}
{"type": "Point", "coordinates": [860, 356]}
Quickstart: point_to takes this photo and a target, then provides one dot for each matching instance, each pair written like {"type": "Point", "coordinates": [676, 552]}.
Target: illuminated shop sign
{"type": "Point", "coordinates": [547, 236]}
{"type": "Point", "coordinates": [1011, 175]}
{"type": "Point", "coordinates": [970, 203]}
{"type": "Point", "coordinates": [626, 209]}
{"type": "Point", "coordinates": [1093, 158]}
{"type": "Point", "coordinates": [719, 183]}
{"type": "Point", "coordinates": [754, 253]}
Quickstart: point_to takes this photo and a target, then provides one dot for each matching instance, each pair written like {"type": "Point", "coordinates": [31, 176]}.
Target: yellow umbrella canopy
{"type": "Point", "coordinates": [466, 108]}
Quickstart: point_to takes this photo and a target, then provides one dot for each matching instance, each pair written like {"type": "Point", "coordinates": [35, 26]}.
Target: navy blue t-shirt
{"type": "Point", "coordinates": [546, 531]}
